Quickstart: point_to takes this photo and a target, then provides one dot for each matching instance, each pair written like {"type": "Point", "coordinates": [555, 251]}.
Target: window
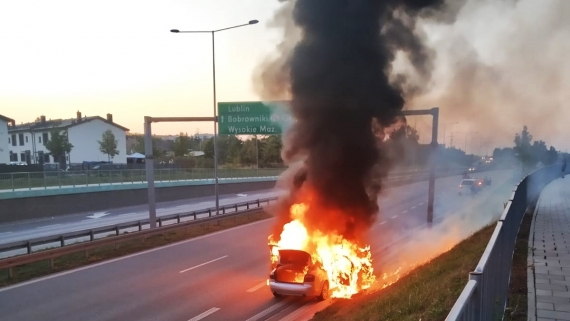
{"type": "Point", "coordinates": [46, 158]}
{"type": "Point", "coordinates": [45, 136]}
{"type": "Point", "coordinates": [13, 157]}
{"type": "Point", "coordinates": [21, 139]}
{"type": "Point", "coordinates": [8, 140]}
{"type": "Point", "coordinates": [40, 138]}
{"type": "Point", "coordinates": [26, 139]}
{"type": "Point", "coordinates": [22, 156]}
{"type": "Point", "coordinates": [14, 141]}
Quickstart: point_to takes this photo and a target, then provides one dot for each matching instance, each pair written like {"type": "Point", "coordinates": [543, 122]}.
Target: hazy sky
{"type": "Point", "coordinates": [498, 66]}
{"type": "Point", "coordinates": [119, 57]}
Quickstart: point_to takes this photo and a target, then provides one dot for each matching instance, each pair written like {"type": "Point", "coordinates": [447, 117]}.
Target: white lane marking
{"type": "Point", "coordinates": [48, 226]}
{"type": "Point", "coordinates": [383, 222]}
{"type": "Point", "coordinates": [421, 203]}
{"type": "Point", "coordinates": [98, 215]}
{"type": "Point", "coordinates": [257, 287]}
{"type": "Point", "coordinates": [204, 314]}
{"type": "Point", "coordinates": [394, 216]}
{"type": "Point", "coordinates": [179, 206]}
{"type": "Point", "coordinates": [241, 195]}
{"type": "Point", "coordinates": [199, 265]}
{"type": "Point", "coordinates": [405, 211]}
{"type": "Point", "coordinates": [265, 312]}
{"type": "Point", "coordinates": [128, 214]}
{"type": "Point", "coordinates": [130, 256]}
{"type": "Point", "coordinates": [413, 207]}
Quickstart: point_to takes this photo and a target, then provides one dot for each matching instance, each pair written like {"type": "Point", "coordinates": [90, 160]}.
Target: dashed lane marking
{"type": "Point", "coordinates": [199, 265]}
{"type": "Point", "coordinates": [204, 314]}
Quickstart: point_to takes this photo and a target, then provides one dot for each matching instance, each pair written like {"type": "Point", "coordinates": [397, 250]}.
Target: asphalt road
{"type": "Point", "coordinates": [222, 276]}
{"type": "Point", "coordinates": [25, 230]}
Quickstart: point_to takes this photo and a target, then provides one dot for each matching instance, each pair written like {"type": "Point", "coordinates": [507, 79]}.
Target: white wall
{"type": "Point", "coordinates": [4, 146]}
{"type": "Point", "coordinates": [29, 145]}
{"type": "Point", "coordinates": [84, 139]}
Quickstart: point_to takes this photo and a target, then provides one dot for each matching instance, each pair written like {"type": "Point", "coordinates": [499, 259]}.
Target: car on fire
{"type": "Point", "coordinates": [295, 274]}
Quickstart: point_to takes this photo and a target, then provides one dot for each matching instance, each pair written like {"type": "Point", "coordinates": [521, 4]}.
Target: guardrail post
{"type": "Point", "coordinates": [476, 304]}
{"type": "Point", "coordinates": [258, 205]}
{"type": "Point", "coordinates": [29, 246]}
{"type": "Point", "coordinates": [29, 182]}
{"type": "Point", "coordinates": [224, 210]}
{"type": "Point", "coordinates": [91, 235]}
{"type": "Point", "coordinates": [59, 178]}
{"type": "Point", "coordinates": [62, 241]}
{"type": "Point", "coordinates": [117, 230]}
{"type": "Point", "coordinates": [178, 218]}
{"type": "Point", "coordinates": [247, 205]}
{"type": "Point", "coordinates": [209, 212]}
{"type": "Point", "coordinates": [140, 226]}
{"type": "Point", "coordinates": [12, 176]}
{"type": "Point", "coordinates": [160, 222]}
{"type": "Point", "coordinates": [236, 207]}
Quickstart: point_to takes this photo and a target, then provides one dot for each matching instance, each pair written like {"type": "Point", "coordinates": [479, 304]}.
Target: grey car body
{"type": "Point", "coordinates": [296, 274]}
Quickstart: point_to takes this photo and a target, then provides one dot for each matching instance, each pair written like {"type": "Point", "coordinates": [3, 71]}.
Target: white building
{"type": "Point", "coordinates": [4, 139]}
{"type": "Point", "coordinates": [27, 141]}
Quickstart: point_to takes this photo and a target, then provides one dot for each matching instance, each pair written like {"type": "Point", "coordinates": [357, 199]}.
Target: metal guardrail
{"type": "Point", "coordinates": [485, 295]}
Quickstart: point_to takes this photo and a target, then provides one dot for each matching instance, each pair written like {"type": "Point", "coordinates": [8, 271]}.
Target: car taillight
{"type": "Point", "coordinates": [309, 278]}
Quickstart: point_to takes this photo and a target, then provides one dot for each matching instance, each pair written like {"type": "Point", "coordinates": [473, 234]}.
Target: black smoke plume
{"type": "Point", "coordinates": [342, 98]}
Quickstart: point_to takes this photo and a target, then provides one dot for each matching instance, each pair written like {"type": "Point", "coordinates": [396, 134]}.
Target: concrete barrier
{"type": "Point", "coordinates": [18, 209]}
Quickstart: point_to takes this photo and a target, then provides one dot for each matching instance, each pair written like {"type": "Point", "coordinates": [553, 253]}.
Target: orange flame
{"type": "Point", "coordinates": [348, 266]}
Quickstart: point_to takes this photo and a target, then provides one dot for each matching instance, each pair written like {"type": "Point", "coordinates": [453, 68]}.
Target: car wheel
{"type": "Point", "coordinates": [324, 292]}
{"type": "Point", "coordinates": [277, 295]}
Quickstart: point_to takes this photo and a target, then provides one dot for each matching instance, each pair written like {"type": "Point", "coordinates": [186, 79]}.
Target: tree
{"type": "Point", "coordinates": [271, 150]}
{"type": "Point", "coordinates": [139, 146]}
{"type": "Point", "coordinates": [58, 146]}
{"type": "Point", "coordinates": [181, 145]}
{"type": "Point", "coordinates": [248, 152]}
{"type": "Point", "coordinates": [523, 148]}
{"type": "Point", "coordinates": [108, 144]}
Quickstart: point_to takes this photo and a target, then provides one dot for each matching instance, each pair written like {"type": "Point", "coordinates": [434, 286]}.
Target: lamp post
{"type": "Point", "coordinates": [213, 32]}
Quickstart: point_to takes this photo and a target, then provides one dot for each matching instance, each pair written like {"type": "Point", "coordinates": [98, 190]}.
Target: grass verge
{"type": "Point", "coordinates": [74, 260]}
{"type": "Point", "coordinates": [517, 302]}
{"type": "Point", "coordinates": [426, 294]}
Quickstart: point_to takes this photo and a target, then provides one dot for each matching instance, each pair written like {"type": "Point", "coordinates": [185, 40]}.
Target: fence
{"type": "Point", "coordinates": [58, 179]}
{"type": "Point", "coordinates": [485, 295]}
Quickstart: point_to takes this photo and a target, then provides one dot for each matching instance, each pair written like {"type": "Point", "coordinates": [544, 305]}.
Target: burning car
{"type": "Point", "coordinates": [295, 273]}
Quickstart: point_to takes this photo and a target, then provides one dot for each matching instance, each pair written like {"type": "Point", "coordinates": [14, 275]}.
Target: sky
{"type": "Point", "coordinates": [63, 56]}
{"type": "Point", "coordinates": [499, 65]}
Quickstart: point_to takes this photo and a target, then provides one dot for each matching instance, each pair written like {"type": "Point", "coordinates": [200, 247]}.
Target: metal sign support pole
{"type": "Point", "coordinates": [431, 189]}
{"type": "Point", "coordinates": [149, 159]}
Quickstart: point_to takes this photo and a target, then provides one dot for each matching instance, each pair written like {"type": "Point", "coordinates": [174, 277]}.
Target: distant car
{"type": "Point", "coordinates": [470, 185]}
{"type": "Point", "coordinates": [487, 180]}
{"type": "Point", "coordinates": [295, 274]}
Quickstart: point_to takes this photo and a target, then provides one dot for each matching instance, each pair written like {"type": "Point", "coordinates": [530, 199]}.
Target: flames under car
{"type": "Point", "coordinates": [294, 273]}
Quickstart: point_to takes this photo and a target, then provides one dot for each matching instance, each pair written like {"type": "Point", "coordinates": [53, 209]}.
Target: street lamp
{"type": "Point", "coordinates": [444, 125]}
{"type": "Point", "coordinates": [213, 32]}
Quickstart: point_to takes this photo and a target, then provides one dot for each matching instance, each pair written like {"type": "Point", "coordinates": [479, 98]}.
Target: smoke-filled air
{"type": "Point", "coordinates": [348, 67]}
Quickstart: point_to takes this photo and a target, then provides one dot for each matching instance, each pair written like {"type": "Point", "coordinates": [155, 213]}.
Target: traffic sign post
{"type": "Point", "coordinates": [253, 118]}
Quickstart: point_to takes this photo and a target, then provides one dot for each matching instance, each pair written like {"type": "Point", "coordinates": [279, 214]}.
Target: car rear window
{"type": "Point", "coordinates": [294, 257]}
{"type": "Point", "coordinates": [467, 183]}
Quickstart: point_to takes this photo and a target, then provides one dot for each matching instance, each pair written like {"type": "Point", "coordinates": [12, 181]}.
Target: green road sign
{"type": "Point", "coordinates": [253, 118]}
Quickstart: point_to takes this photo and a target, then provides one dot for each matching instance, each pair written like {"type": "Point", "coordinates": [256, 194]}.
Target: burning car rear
{"type": "Point", "coordinates": [296, 274]}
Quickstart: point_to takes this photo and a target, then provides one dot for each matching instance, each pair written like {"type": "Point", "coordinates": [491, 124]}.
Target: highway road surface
{"type": "Point", "coordinates": [25, 230]}
{"type": "Point", "coordinates": [222, 276]}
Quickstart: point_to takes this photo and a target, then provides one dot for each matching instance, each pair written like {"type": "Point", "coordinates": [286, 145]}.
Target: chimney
{"type": "Point", "coordinates": [110, 118]}
{"type": "Point", "coordinates": [43, 119]}
{"type": "Point", "coordinates": [78, 116]}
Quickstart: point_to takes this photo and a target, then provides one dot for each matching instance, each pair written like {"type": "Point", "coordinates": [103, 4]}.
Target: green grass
{"type": "Point", "coordinates": [74, 260]}
{"type": "Point", "coordinates": [426, 294]}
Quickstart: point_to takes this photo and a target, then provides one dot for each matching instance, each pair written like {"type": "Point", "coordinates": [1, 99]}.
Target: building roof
{"type": "Point", "coordinates": [6, 119]}
{"type": "Point", "coordinates": [60, 124]}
